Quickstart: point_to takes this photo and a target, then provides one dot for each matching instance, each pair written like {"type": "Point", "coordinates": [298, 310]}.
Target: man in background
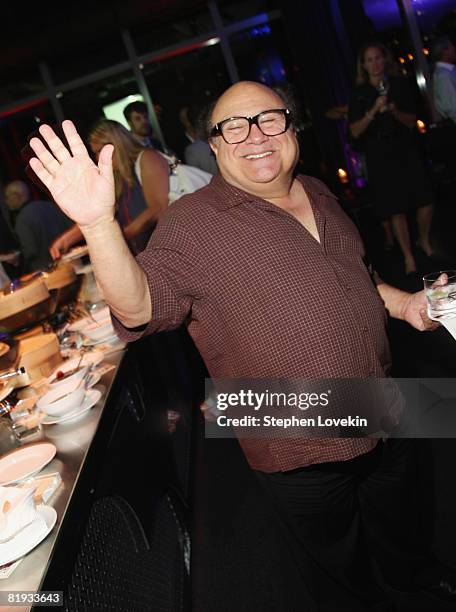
{"type": "Point", "coordinates": [137, 116]}
{"type": "Point", "coordinates": [444, 81]}
{"type": "Point", "coordinates": [197, 153]}
{"type": "Point", "coordinates": [36, 223]}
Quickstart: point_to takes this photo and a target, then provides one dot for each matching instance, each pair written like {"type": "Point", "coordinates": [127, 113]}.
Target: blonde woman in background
{"type": "Point", "coordinates": [141, 177]}
{"type": "Point", "coordinates": [382, 116]}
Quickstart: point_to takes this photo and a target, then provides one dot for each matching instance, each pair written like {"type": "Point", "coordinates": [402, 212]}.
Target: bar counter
{"type": "Point", "coordinates": [121, 540]}
{"type": "Point", "coordinates": [73, 442]}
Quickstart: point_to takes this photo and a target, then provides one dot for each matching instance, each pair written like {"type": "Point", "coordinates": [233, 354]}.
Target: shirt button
{"type": "Point", "coordinates": [365, 329]}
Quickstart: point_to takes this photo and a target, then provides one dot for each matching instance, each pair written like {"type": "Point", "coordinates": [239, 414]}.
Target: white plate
{"type": "Point", "coordinates": [108, 340]}
{"type": "Point", "coordinates": [30, 536]}
{"type": "Point", "coordinates": [24, 462]}
{"type": "Point", "coordinates": [91, 398]}
{"type": "Point", "coordinates": [75, 253]}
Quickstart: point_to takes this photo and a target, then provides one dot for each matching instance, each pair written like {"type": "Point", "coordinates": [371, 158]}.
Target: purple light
{"type": "Point", "coordinates": [385, 14]}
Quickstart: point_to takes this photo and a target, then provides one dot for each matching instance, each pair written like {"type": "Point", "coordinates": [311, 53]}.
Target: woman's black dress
{"type": "Point", "coordinates": [396, 173]}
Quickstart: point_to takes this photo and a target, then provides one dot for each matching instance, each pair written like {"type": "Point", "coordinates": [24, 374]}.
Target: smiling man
{"type": "Point", "coordinates": [268, 273]}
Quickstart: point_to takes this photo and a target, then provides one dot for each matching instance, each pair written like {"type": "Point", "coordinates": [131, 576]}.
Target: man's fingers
{"type": "Point", "coordinates": [47, 160]}
{"type": "Point", "coordinates": [105, 161]}
{"type": "Point", "coordinates": [442, 280]}
{"type": "Point", "coordinates": [429, 324]}
{"type": "Point", "coordinates": [77, 147]}
{"type": "Point", "coordinates": [55, 144]}
{"type": "Point", "coordinates": [41, 172]}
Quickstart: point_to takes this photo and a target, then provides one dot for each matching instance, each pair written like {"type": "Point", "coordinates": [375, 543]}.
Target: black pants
{"type": "Point", "coordinates": [340, 516]}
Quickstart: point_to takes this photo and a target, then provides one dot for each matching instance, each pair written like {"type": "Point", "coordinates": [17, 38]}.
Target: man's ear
{"type": "Point", "coordinates": [213, 146]}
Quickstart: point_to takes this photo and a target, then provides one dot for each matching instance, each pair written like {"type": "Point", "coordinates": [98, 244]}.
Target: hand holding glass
{"type": "Point", "coordinates": [440, 290]}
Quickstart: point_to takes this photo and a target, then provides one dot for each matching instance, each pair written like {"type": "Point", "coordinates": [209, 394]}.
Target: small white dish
{"type": "Point", "coordinates": [30, 536]}
{"type": "Point", "coordinates": [73, 371]}
{"type": "Point", "coordinates": [24, 462]}
{"type": "Point", "coordinates": [91, 398]}
{"type": "Point", "coordinates": [58, 402]}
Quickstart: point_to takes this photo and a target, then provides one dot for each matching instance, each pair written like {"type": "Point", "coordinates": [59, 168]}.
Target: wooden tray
{"type": "Point", "coordinates": [23, 298]}
{"type": "Point", "coordinates": [39, 355]}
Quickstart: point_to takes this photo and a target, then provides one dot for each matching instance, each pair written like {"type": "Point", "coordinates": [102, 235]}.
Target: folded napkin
{"type": "Point", "coordinates": [17, 510]}
{"type": "Point", "coordinates": [450, 325]}
{"type": "Point", "coordinates": [448, 321]}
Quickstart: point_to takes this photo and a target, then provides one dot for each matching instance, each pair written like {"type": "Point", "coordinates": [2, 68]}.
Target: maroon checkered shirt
{"type": "Point", "coordinates": [264, 299]}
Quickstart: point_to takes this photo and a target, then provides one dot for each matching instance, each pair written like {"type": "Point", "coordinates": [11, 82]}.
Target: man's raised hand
{"type": "Point", "coordinates": [83, 190]}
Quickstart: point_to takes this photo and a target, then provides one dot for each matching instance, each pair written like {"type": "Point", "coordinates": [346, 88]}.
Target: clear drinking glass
{"type": "Point", "coordinates": [440, 290]}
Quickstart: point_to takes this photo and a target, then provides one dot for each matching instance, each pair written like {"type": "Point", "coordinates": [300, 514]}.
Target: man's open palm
{"type": "Point", "coordinates": [83, 190]}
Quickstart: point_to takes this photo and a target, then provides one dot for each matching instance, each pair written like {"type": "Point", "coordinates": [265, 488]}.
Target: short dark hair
{"type": "Point", "coordinates": [135, 107]}
{"type": "Point", "coordinates": [438, 47]}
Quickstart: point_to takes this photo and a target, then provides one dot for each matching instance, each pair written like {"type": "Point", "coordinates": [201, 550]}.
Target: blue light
{"type": "Point", "coordinates": [262, 30]}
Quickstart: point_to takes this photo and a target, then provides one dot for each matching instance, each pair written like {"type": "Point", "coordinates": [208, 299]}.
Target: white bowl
{"type": "Point", "coordinates": [99, 331]}
{"type": "Point", "coordinates": [54, 403]}
{"type": "Point", "coordinates": [69, 381]}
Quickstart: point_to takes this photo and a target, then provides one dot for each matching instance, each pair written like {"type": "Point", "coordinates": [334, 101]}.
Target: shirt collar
{"type": "Point", "coordinates": [229, 196]}
{"type": "Point", "coordinates": [446, 65]}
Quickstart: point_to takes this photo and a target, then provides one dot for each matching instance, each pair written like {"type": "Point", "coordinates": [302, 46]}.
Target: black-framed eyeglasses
{"type": "Point", "coordinates": [237, 129]}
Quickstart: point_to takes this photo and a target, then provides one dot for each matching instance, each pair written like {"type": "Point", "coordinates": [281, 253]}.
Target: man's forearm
{"type": "Point", "coordinates": [121, 279]}
{"type": "Point", "coordinates": [395, 300]}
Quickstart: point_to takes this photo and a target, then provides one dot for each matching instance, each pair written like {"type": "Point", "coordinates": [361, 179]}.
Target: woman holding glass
{"type": "Point", "coordinates": [382, 116]}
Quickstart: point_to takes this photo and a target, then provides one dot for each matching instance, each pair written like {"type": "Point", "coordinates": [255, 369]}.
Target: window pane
{"type": "Point", "coordinates": [87, 58]}
{"type": "Point", "coordinates": [193, 78]}
{"type": "Point", "coordinates": [238, 10]}
{"type": "Point", "coordinates": [261, 54]}
{"type": "Point", "coordinates": [85, 104]}
{"type": "Point", "coordinates": [15, 130]}
{"type": "Point", "coordinates": [384, 14]}
{"type": "Point", "coordinates": [151, 36]}
{"type": "Point", "coordinates": [22, 82]}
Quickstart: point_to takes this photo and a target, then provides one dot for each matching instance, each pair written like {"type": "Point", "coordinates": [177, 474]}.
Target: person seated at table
{"type": "Point", "coordinates": [141, 180]}
{"type": "Point", "coordinates": [36, 224]}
